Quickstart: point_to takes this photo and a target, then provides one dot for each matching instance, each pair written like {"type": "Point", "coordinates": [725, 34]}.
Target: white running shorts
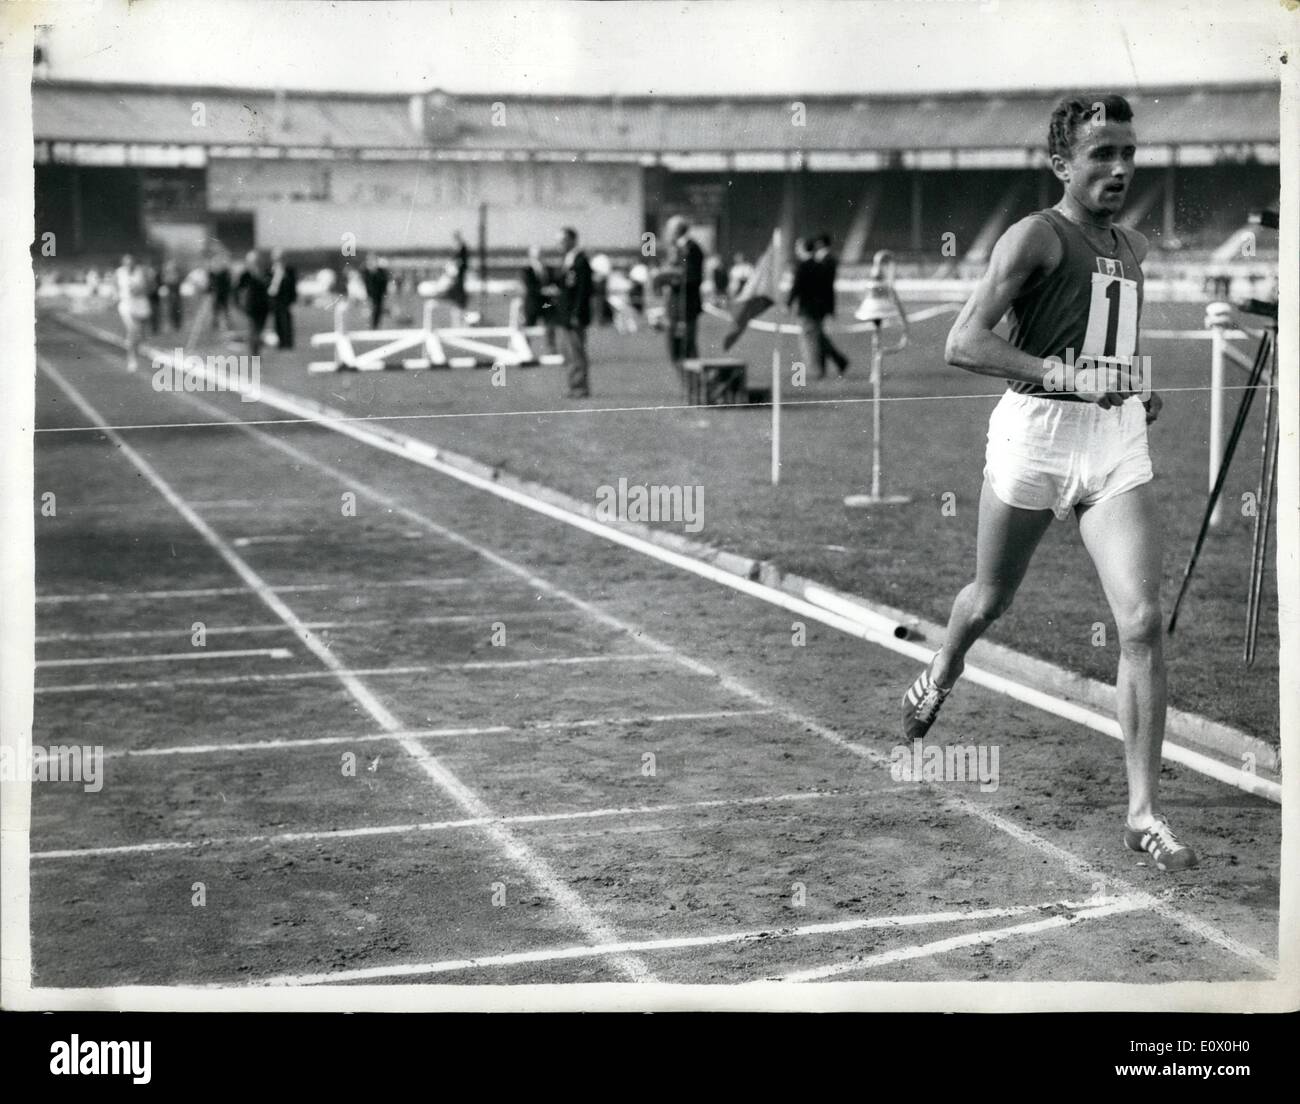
{"type": "Point", "coordinates": [1049, 454]}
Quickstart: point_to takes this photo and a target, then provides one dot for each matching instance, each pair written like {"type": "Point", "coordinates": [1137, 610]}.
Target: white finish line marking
{"type": "Point", "coordinates": [368, 672]}
{"type": "Point", "coordinates": [439, 825]}
{"type": "Point", "coordinates": [1059, 855]}
{"type": "Point", "coordinates": [1111, 907]}
{"type": "Point", "coordinates": [197, 653]}
{"type": "Point", "coordinates": [644, 946]}
{"type": "Point", "coordinates": [535, 867]}
{"type": "Point", "coordinates": [431, 733]}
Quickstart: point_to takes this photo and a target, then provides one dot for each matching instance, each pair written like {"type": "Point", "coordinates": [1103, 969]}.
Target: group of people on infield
{"type": "Point", "coordinates": [264, 289]}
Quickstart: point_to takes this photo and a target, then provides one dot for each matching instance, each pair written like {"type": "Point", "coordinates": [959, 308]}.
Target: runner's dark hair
{"type": "Point", "coordinates": [1072, 112]}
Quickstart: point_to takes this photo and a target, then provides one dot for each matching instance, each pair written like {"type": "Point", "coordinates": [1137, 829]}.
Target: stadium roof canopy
{"type": "Point", "coordinates": [472, 126]}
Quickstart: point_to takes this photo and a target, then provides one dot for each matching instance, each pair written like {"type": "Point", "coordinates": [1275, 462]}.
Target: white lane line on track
{"type": "Point", "coordinates": [1077, 866]}
{"type": "Point", "coordinates": [688, 942]}
{"type": "Point", "coordinates": [74, 510]}
{"type": "Point", "coordinates": [196, 653]}
{"type": "Point", "coordinates": [431, 733]}
{"type": "Point", "coordinates": [535, 868]}
{"type": "Point", "coordinates": [271, 538]}
{"type": "Point", "coordinates": [358, 672]}
{"type": "Point", "coordinates": [230, 592]}
{"type": "Point", "coordinates": [238, 630]}
{"type": "Point", "coordinates": [522, 819]}
{"type": "Point", "coordinates": [957, 942]}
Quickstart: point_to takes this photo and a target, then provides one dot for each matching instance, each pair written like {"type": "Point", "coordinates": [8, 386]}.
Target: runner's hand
{"type": "Point", "coordinates": [1153, 405]}
{"type": "Point", "coordinates": [1107, 390]}
{"type": "Point", "coordinates": [1104, 399]}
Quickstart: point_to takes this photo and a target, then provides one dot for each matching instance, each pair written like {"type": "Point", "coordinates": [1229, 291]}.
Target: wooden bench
{"type": "Point", "coordinates": [710, 381]}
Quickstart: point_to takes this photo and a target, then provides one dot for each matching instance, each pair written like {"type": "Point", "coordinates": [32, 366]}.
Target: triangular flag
{"type": "Point", "coordinates": [755, 297]}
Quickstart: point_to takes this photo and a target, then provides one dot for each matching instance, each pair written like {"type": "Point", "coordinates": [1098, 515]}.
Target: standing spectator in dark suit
{"type": "Point", "coordinates": [154, 284]}
{"type": "Point", "coordinates": [283, 290]}
{"type": "Point", "coordinates": [170, 283]}
{"type": "Point", "coordinates": [720, 276]}
{"type": "Point", "coordinates": [253, 298]}
{"type": "Point", "coordinates": [220, 285]}
{"type": "Point", "coordinates": [682, 279]}
{"type": "Point", "coordinates": [458, 294]}
{"type": "Point", "coordinates": [828, 267]}
{"type": "Point", "coordinates": [813, 291]}
{"type": "Point", "coordinates": [375, 279]}
{"type": "Point", "coordinates": [573, 311]}
{"type": "Point", "coordinates": [802, 289]}
{"type": "Point", "coordinates": [539, 295]}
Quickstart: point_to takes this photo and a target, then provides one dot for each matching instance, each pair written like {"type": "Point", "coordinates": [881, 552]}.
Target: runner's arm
{"type": "Point", "coordinates": [1025, 251]}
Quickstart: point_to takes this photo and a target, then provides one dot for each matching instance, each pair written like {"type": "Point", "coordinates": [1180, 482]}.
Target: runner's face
{"type": "Point", "coordinates": [1101, 167]}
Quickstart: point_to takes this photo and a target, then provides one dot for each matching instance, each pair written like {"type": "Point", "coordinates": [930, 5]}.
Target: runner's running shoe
{"type": "Point", "coordinates": [921, 705]}
{"type": "Point", "coordinates": [1162, 845]}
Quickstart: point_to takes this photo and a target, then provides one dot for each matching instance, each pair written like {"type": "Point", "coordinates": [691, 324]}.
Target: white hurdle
{"type": "Point", "coordinates": [477, 341]}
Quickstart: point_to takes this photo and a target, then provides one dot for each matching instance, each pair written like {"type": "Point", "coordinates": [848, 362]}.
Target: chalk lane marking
{"type": "Point", "coordinates": [973, 939]}
{"type": "Point", "coordinates": [197, 653]}
{"type": "Point", "coordinates": [163, 846]}
{"type": "Point", "coordinates": [230, 592]}
{"type": "Point", "coordinates": [239, 630]}
{"type": "Point", "coordinates": [644, 946]}
{"type": "Point", "coordinates": [536, 868]}
{"type": "Point", "coordinates": [357, 672]}
{"type": "Point", "coordinates": [431, 733]}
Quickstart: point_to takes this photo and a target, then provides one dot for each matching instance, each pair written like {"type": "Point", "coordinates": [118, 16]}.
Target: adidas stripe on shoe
{"type": "Point", "coordinates": [1159, 841]}
{"type": "Point", "coordinates": [921, 705]}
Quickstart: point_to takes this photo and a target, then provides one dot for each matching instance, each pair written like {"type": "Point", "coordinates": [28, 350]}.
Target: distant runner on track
{"type": "Point", "coordinates": [132, 306]}
{"type": "Point", "coordinates": [1072, 282]}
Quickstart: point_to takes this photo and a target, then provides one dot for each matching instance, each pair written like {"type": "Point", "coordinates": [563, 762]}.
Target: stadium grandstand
{"type": "Point", "coordinates": [125, 165]}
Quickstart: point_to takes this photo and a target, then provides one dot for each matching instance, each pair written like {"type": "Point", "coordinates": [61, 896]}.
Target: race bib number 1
{"type": "Point", "coordinates": [1112, 317]}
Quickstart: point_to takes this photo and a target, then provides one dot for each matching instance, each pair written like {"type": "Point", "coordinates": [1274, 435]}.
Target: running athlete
{"type": "Point", "coordinates": [132, 306]}
{"type": "Point", "coordinates": [1071, 281]}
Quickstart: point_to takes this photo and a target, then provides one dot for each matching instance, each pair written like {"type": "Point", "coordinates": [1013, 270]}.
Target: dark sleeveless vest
{"type": "Point", "coordinates": [1090, 304]}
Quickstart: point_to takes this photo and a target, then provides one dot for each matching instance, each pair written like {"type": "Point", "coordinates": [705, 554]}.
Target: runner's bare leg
{"type": "Point", "coordinates": [1122, 535]}
{"type": "Point", "coordinates": [1005, 544]}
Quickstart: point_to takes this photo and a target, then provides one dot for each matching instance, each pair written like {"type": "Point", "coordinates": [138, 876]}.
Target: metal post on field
{"type": "Point", "coordinates": [881, 302]}
{"type": "Point", "coordinates": [482, 259]}
{"type": "Point", "coordinates": [776, 412]}
{"type": "Point", "coordinates": [776, 368]}
{"type": "Point", "coordinates": [877, 366]}
{"type": "Point", "coordinates": [1218, 317]}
